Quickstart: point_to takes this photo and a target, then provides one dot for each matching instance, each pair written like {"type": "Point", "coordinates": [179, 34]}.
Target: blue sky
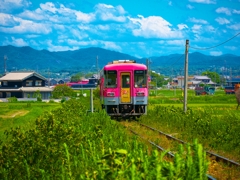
{"type": "Point", "coordinates": [141, 28]}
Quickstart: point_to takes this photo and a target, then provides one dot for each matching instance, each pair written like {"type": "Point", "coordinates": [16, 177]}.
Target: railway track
{"type": "Point", "coordinates": [216, 157]}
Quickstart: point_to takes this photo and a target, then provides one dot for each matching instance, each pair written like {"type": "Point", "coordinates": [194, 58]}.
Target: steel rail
{"type": "Point", "coordinates": [162, 149]}
{"type": "Point", "coordinates": [218, 157]}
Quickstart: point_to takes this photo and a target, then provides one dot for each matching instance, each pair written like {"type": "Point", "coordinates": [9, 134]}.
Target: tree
{"type": "Point", "coordinates": [37, 95]}
{"type": "Point", "coordinates": [213, 76]}
{"type": "Point", "coordinates": [62, 90]}
{"type": "Point", "coordinates": [157, 79]}
{"type": "Point", "coordinates": [75, 78]}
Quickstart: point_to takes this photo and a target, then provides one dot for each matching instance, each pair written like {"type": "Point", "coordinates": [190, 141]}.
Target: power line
{"type": "Point", "coordinates": [216, 45]}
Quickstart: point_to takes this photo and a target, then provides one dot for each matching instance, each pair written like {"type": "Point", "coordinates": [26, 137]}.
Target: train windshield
{"type": "Point", "coordinates": [140, 78]}
{"type": "Point", "coordinates": [110, 79]}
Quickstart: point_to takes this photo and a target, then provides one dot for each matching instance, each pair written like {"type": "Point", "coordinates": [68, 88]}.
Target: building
{"type": "Point", "coordinates": [197, 80]}
{"type": "Point", "coordinates": [233, 81]}
{"type": "Point", "coordinates": [24, 85]}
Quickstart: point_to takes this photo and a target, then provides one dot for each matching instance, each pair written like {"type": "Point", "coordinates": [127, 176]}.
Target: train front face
{"type": "Point", "coordinates": [124, 89]}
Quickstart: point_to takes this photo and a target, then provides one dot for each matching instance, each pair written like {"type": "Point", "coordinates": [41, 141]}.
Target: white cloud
{"type": "Point", "coordinates": [9, 5]}
{"type": "Point", "coordinates": [78, 34]}
{"type": "Point", "coordinates": [222, 20]}
{"type": "Point", "coordinates": [209, 28]}
{"type": "Point", "coordinates": [223, 10]}
{"type": "Point", "coordinates": [216, 53]}
{"type": "Point", "coordinates": [26, 26]}
{"type": "Point", "coordinates": [103, 27]}
{"type": "Point", "coordinates": [170, 3]}
{"type": "Point", "coordinates": [109, 13]}
{"type": "Point", "coordinates": [59, 27]}
{"type": "Point", "coordinates": [190, 6]}
{"type": "Point", "coordinates": [49, 6]}
{"type": "Point", "coordinates": [234, 26]}
{"type": "Point", "coordinates": [111, 45]}
{"type": "Point", "coordinates": [37, 15]}
{"type": "Point", "coordinates": [204, 1]}
{"type": "Point", "coordinates": [57, 14]}
{"type": "Point", "coordinates": [89, 42]}
{"type": "Point", "coordinates": [176, 42]}
{"type": "Point", "coordinates": [52, 47]}
{"type": "Point", "coordinates": [232, 48]}
{"type": "Point", "coordinates": [16, 42]}
{"type": "Point", "coordinates": [84, 17]}
{"type": "Point", "coordinates": [8, 20]}
{"type": "Point", "coordinates": [196, 28]}
{"type": "Point", "coordinates": [236, 11]}
{"type": "Point", "coordinates": [182, 26]}
{"type": "Point", "coordinates": [199, 21]}
{"type": "Point", "coordinates": [153, 27]}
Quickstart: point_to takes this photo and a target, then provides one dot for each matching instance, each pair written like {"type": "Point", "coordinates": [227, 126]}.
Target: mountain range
{"type": "Point", "coordinates": [90, 59]}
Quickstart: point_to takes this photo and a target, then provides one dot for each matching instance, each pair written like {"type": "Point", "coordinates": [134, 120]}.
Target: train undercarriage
{"type": "Point", "coordinates": [125, 110]}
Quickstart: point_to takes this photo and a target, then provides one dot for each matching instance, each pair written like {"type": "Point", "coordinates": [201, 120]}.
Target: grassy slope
{"type": "Point", "coordinates": [13, 115]}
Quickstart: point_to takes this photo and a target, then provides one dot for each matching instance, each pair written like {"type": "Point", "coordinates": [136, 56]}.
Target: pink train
{"type": "Point", "coordinates": [124, 89]}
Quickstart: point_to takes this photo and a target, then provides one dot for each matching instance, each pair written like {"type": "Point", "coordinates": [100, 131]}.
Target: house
{"type": "Point", "coordinates": [23, 85]}
{"type": "Point", "coordinates": [53, 82]}
{"type": "Point", "coordinates": [197, 80]}
{"type": "Point", "coordinates": [60, 81]}
{"type": "Point", "coordinates": [179, 81]}
{"type": "Point", "coordinates": [233, 81]}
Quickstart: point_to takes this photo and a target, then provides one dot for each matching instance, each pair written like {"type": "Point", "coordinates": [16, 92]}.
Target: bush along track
{"type": "Point", "coordinates": [218, 131]}
{"type": "Point", "coordinates": [66, 143]}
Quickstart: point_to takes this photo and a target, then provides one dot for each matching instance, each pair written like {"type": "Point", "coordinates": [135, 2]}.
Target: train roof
{"type": "Point", "coordinates": [125, 65]}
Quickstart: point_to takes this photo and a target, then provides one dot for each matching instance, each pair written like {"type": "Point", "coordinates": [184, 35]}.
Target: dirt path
{"type": "Point", "coordinates": [19, 113]}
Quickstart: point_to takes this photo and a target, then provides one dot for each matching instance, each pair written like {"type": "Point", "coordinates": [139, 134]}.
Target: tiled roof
{"type": "Point", "coordinates": [33, 89]}
{"type": "Point", "coordinates": [201, 77]}
{"type": "Point", "coordinates": [9, 89]}
{"type": "Point", "coordinates": [28, 89]}
{"type": "Point", "coordinates": [19, 76]}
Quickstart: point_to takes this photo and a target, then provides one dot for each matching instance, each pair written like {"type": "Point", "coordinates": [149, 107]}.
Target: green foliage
{"type": "Point", "coordinates": [76, 77]}
{"type": "Point", "coordinates": [38, 95]}
{"type": "Point", "coordinates": [62, 90]}
{"type": "Point", "coordinates": [63, 99]}
{"type": "Point", "coordinates": [96, 93]}
{"type": "Point", "coordinates": [51, 101]}
{"type": "Point", "coordinates": [215, 77]}
{"type": "Point", "coordinates": [214, 129]}
{"type": "Point", "coordinates": [21, 114]}
{"type": "Point", "coordinates": [67, 144]}
{"type": "Point", "coordinates": [12, 99]}
{"type": "Point", "coordinates": [157, 80]}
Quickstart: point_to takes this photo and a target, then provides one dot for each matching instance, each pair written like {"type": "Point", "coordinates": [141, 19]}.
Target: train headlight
{"type": "Point", "coordinates": [140, 93]}
{"type": "Point", "coordinates": [110, 94]}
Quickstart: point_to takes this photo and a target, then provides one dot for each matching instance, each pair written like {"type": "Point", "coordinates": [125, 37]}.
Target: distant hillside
{"type": "Point", "coordinates": [84, 60]}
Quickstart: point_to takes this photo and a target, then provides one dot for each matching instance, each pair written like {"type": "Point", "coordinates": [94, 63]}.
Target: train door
{"type": "Point", "coordinates": [125, 96]}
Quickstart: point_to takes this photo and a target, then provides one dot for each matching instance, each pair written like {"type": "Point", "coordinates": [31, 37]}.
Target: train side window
{"type": "Point", "coordinates": [140, 78]}
{"type": "Point", "coordinates": [110, 79]}
{"type": "Point", "coordinates": [125, 81]}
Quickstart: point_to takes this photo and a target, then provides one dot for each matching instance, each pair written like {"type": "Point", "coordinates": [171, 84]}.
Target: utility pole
{"type": "Point", "coordinates": [48, 78]}
{"type": "Point", "coordinates": [147, 63]}
{"type": "Point", "coordinates": [186, 76]}
{"type": "Point", "coordinates": [97, 67]}
{"type": "Point", "coordinates": [5, 64]}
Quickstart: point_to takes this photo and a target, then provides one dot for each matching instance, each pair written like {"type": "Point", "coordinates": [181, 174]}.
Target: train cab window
{"type": "Point", "coordinates": [126, 81]}
{"type": "Point", "coordinates": [140, 78]}
{"type": "Point", "coordinates": [110, 79]}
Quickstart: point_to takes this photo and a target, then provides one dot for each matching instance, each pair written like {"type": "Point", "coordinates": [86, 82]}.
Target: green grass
{"type": "Point", "coordinates": [69, 144]}
{"type": "Point", "coordinates": [23, 115]}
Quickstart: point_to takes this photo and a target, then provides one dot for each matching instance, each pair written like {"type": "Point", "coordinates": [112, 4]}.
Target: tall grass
{"type": "Point", "coordinates": [214, 128]}
{"type": "Point", "coordinates": [66, 143]}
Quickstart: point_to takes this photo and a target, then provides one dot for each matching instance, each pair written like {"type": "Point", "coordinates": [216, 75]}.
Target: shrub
{"type": "Point", "coordinates": [12, 99]}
